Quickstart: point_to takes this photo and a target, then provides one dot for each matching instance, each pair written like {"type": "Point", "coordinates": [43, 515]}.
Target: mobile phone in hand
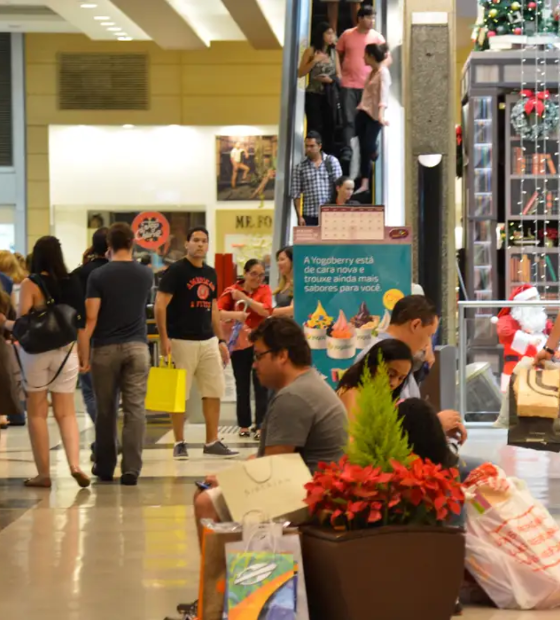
{"type": "Point", "coordinates": [203, 486]}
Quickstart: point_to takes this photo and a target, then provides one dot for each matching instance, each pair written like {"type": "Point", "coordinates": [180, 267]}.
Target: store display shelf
{"type": "Point", "coordinates": [534, 218]}
{"type": "Point", "coordinates": [524, 177]}
{"type": "Point", "coordinates": [531, 249]}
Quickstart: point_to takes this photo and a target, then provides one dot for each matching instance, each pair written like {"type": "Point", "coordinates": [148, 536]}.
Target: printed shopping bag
{"type": "Point", "coordinates": [236, 333]}
{"type": "Point", "coordinates": [261, 585]}
{"type": "Point", "coordinates": [512, 542]}
{"type": "Point", "coordinates": [167, 388]}
{"type": "Point", "coordinates": [288, 542]}
{"type": "Point", "coordinates": [272, 484]}
{"type": "Point", "coordinates": [538, 393]}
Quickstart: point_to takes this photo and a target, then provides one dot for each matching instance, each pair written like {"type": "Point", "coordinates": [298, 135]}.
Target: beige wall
{"type": "Point", "coordinates": [230, 83]}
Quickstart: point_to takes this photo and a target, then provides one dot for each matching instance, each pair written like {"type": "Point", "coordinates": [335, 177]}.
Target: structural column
{"type": "Point", "coordinates": [429, 102]}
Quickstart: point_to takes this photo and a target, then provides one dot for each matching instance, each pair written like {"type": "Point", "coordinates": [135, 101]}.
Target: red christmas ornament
{"type": "Point", "coordinates": [532, 5]}
{"type": "Point", "coordinates": [491, 33]}
{"type": "Point", "coordinates": [518, 31]}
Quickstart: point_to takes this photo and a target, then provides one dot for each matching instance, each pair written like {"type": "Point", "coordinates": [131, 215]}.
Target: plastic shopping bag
{"type": "Point", "coordinates": [513, 544]}
{"type": "Point", "coordinates": [236, 333]}
{"type": "Point", "coordinates": [167, 388]}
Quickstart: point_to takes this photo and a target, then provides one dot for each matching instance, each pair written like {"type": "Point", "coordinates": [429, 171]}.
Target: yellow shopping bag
{"type": "Point", "coordinates": [167, 388]}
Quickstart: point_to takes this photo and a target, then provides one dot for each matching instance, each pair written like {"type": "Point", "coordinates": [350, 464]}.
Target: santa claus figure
{"type": "Point", "coordinates": [522, 331]}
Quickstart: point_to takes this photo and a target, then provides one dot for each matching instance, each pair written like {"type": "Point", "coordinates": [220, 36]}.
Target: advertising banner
{"type": "Point", "coordinates": [344, 294]}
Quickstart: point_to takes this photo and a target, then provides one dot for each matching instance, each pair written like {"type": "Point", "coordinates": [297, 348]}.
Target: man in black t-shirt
{"type": "Point", "coordinates": [188, 322]}
{"type": "Point", "coordinates": [94, 257]}
{"type": "Point", "coordinates": [117, 296]}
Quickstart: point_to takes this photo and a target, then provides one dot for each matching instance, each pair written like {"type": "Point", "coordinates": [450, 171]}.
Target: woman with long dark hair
{"type": "Point", "coordinates": [53, 371]}
{"type": "Point", "coordinates": [398, 359]}
{"type": "Point", "coordinates": [321, 62]}
{"type": "Point", "coordinates": [284, 293]}
{"type": "Point", "coordinates": [256, 297]}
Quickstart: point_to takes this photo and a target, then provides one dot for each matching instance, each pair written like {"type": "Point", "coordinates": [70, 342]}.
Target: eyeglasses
{"type": "Point", "coordinates": [256, 274]}
{"type": "Point", "coordinates": [258, 356]}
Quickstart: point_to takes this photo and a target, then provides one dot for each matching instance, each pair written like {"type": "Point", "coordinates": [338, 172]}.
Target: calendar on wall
{"type": "Point", "coordinates": [352, 223]}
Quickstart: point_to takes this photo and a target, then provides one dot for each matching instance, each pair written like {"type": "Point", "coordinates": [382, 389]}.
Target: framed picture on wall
{"type": "Point", "coordinates": [246, 167]}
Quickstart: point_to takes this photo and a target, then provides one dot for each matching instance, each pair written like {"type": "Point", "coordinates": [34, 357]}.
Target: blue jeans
{"type": "Point", "coordinates": [86, 383]}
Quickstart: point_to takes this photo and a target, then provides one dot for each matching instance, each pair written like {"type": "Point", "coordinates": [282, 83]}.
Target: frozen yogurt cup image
{"type": "Point", "coordinates": [365, 324]}
{"type": "Point", "coordinates": [316, 326]}
{"type": "Point", "coordinates": [341, 339]}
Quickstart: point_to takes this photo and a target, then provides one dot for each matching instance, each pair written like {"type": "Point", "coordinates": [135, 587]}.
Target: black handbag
{"type": "Point", "coordinates": [48, 328]}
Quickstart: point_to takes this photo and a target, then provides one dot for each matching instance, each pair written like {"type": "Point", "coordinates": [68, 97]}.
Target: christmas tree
{"type": "Point", "coordinates": [376, 435]}
{"type": "Point", "coordinates": [507, 17]}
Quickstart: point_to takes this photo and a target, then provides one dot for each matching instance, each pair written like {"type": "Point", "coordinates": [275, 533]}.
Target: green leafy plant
{"type": "Point", "coordinates": [376, 435]}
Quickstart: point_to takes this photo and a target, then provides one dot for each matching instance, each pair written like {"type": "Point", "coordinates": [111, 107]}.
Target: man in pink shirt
{"type": "Point", "coordinates": [351, 47]}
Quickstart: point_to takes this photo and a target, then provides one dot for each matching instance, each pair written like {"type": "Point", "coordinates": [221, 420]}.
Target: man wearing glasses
{"type": "Point", "coordinates": [305, 415]}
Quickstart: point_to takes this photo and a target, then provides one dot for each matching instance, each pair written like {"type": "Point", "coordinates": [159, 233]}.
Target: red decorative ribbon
{"type": "Point", "coordinates": [535, 101]}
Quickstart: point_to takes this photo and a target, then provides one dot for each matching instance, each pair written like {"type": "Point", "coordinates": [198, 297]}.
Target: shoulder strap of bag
{"type": "Point", "coordinates": [36, 279]}
{"type": "Point", "coordinates": [329, 166]}
{"type": "Point", "coordinates": [57, 374]}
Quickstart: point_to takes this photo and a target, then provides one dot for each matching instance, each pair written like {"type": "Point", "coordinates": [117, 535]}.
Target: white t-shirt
{"type": "Point", "coordinates": [235, 155]}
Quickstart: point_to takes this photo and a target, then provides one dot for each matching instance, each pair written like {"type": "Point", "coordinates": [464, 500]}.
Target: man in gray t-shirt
{"type": "Point", "coordinates": [307, 416]}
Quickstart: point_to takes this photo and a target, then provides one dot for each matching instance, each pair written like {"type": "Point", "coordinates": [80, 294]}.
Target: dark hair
{"type": "Point", "coordinates": [288, 250]}
{"type": "Point", "coordinates": [314, 135]}
{"type": "Point", "coordinates": [146, 259]}
{"type": "Point", "coordinates": [366, 11]}
{"type": "Point", "coordinates": [120, 237]}
{"type": "Point", "coordinates": [283, 334]}
{"type": "Point", "coordinates": [378, 51]}
{"type": "Point", "coordinates": [251, 263]}
{"type": "Point", "coordinates": [197, 229]}
{"type": "Point", "coordinates": [317, 40]}
{"type": "Point", "coordinates": [412, 308]}
{"type": "Point", "coordinates": [47, 256]}
{"type": "Point", "coordinates": [99, 241]}
{"type": "Point", "coordinates": [341, 180]}
{"type": "Point", "coordinates": [425, 432]}
{"type": "Point", "coordinates": [390, 349]}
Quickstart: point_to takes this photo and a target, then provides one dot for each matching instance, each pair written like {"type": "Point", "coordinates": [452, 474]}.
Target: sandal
{"type": "Point", "coordinates": [257, 435]}
{"type": "Point", "coordinates": [39, 482]}
{"type": "Point", "coordinates": [244, 433]}
{"type": "Point", "coordinates": [81, 478]}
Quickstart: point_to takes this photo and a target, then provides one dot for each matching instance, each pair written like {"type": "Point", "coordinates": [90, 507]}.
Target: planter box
{"type": "Point", "coordinates": [390, 573]}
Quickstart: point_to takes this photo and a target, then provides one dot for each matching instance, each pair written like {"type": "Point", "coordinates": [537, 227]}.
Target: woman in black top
{"type": "Point", "coordinates": [40, 369]}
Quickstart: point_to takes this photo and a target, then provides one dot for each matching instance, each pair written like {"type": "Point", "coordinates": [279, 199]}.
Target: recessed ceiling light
{"type": "Point", "coordinates": [107, 23]}
{"type": "Point", "coordinates": [87, 5]}
{"type": "Point", "coordinates": [128, 126]}
{"type": "Point", "coordinates": [125, 38]}
{"type": "Point", "coordinates": [101, 17]}
{"type": "Point", "coordinates": [114, 29]}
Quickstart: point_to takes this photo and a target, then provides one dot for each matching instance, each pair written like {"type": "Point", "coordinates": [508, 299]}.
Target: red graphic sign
{"type": "Point", "coordinates": [151, 230]}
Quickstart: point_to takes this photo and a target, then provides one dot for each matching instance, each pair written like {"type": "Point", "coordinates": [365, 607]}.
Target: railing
{"type": "Point", "coordinates": [464, 306]}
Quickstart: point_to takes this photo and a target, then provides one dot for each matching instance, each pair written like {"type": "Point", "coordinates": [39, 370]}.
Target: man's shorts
{"type": "Point", "coordinates": [203, 362]}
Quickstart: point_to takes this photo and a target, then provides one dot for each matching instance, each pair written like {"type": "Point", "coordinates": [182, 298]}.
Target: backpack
{"type": "Point", "coordinates": [48, 328]}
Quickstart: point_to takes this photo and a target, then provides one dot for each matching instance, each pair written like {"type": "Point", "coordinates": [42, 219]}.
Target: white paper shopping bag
{"type": "Point", "coordinates": [273, 485]}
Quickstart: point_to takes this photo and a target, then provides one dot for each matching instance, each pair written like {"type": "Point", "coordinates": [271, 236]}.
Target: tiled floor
{"type": "Point", "coordinates": [114, 553]}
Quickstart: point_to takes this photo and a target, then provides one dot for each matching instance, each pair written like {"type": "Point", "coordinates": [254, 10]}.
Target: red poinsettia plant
{"type": "Point", "coordinates": [380, 481]}
{"type": "Point", "coordinates": [354, 497]}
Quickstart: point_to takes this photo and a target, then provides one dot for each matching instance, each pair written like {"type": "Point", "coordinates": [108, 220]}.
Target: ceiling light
{"type": "Point", "coordinates": [125, 38]}
{"type": "Point", "coordinates": [88, 6]}
{"type": "Point", "coordinates": [101, 17]}
{"type": "Point", "coordinates": [114, 29]}
{"type": "Point", "coordinates": [128, 126]}
{"type": "Point", "coordinates": [107, 23]}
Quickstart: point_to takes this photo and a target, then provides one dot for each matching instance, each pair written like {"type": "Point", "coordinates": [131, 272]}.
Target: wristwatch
{"type": "Point", "coordinates": [549, 351]}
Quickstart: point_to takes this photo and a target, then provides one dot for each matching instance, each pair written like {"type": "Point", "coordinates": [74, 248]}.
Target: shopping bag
{"type": "Point", "coordinates": [272, 484]}
{"type": "Point", "coordinates": [538, 393]}
{"type": "Point", "coordinates": [261, 585]}
{"type": "Point", "coordinates": [235, 333]}
{"type": "Point", "coordinates": [167, 388]}
{"type": "Point", "coordinates": [512, 542]}
{"type": "Point", "coordinates": [285, 541]}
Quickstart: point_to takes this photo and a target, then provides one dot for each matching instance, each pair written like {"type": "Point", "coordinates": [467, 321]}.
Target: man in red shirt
{"type": "Point", "coordinates": [351, 47]}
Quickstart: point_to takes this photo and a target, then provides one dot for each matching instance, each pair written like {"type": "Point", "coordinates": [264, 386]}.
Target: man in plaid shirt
{"type": "Point", "coordinates": [313, 181]}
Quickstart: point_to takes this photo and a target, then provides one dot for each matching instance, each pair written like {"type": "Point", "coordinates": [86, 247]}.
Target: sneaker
{"type": "Point", "coordinates": [190, 610]}
{"type": "Point", "coordinates": [100, 476]}
{"type": "Point", "coordinates": [219, 448]}
{"type": "Point", "coordinates": [180, 451]}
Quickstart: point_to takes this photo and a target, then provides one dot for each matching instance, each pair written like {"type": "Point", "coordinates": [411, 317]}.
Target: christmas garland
{"type": "Point", "coordinates": [534, 116]}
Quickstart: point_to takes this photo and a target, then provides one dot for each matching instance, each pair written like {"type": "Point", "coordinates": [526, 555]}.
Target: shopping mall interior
{"type": "Point", "coordinates": [291, 184]}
